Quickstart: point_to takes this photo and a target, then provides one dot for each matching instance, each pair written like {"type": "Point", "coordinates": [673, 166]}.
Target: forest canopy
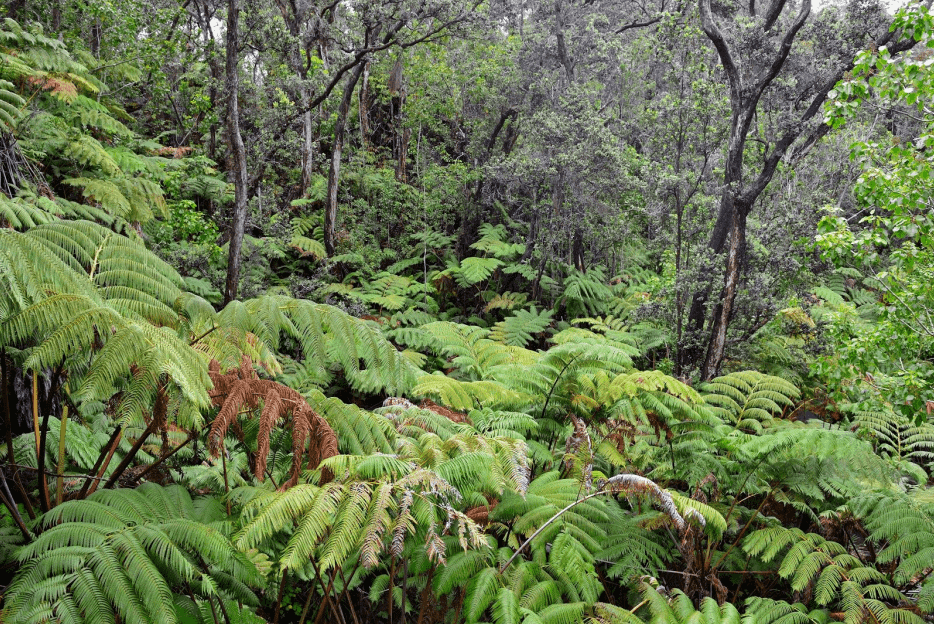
{"type": "Point", "coordinates": [439, 311]}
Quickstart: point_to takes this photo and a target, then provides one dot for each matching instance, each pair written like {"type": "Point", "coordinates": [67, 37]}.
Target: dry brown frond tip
{"type": "Point", "coordinates": [240, 390]}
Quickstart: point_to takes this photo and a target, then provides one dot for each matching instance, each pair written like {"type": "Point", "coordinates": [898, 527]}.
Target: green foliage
{"type": "Point", "coordinates": [10, 104]}
{"type": "Point", "coordinates": [749, 400]}
{"type": "Point", "coordinates": [121, 555]}
{"type": "Point", "coordinates": [903, 524]}
{"type": "Point", "coordinates": [894, 242]}
{"type": "Point", "coordinates": [572, 469]}
{"type": "Point", "coordinates": [519, 329]}
{"type": "Point", "coordinates": [833, 575]}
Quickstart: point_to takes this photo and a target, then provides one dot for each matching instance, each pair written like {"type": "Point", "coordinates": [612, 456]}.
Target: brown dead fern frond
{"type": "Point", "coordinates": [321, 446]}
{"type": "Point", "coordinates": [239, 391]}
{"type": "Point", "coordinates": [301, 429]}
{"type": "Point", "coordinates": [579, 447]}
{"type": "Point", "coordinates": [237, 395]}
{"type": "Point", "coordinates": [272, 411]}
{"type": "Point", "coordinates": [481, 514]}
{"type": "Point", "coordinates": [457, 417]}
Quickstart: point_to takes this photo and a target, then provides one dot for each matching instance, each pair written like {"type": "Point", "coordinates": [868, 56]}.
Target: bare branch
{"type": "Point", "coordinates": [769, 74]}
{"type": "Point", "coordinates": [775, 9]}
{"type": "Point", "coordinates": [723, 50]}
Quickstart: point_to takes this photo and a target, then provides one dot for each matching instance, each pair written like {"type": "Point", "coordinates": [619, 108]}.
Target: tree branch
{"type": "Point", "coordinates": [638, 25]}
{"type": "Point", "coordinates": [723, 50]}
{"type": "Point", "coordinates": [769, 74]}
{"type": "Point", "coordinates": [775, 9]}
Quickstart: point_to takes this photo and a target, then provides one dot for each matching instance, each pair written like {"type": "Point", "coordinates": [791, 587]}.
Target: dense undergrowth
{"type": "Point", "coordinates": [438, 423]}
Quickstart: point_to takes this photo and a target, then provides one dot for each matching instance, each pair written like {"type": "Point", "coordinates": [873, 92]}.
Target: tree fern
{"type": "Point", "coordinates": [10, 104]}
{"type": "Point", "coordinates": [469, 348]}
{"type": "Point", "coordinates": [749, 399]}
{"type": "Point", "coordinates": [833, 575]}
{"type": "Point", "coordinates": [339, 518]}
{"type": "Point", "coordinates": [492, 241]}
{"type": "Point", "coordinates": [466, 395]}
{"type": "Point", "coordinates": [898, 438]}
{"type": "Point", "coordinates": [328, 336]}
{"type": "Point", "coordinates": [585, 294]}
{"type": "Point", "coordinates": [119, 554]}
{"type": "Point", "coordinates": [21, 215]}
{"type": "Point", "coordinates": [903, 525]}
{"type": "Point", "coordinates": [518, 329]}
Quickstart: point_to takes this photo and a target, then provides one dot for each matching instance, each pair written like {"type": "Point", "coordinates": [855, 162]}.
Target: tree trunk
{"type": "Point", "coordinates": [363, 105]}
{"type": "Point", "coordinates": [308, 145]}
{"type": "Point", "coordinates": [238, 155]}
{"type": "Point", "coordinates": [95, 39]}
{"type": "Point", "coordinates": [57, 16]}
{"type": "Point", "coordinates": [724, 310]}
{"type": "Point", "coordinates": [16, 10]}
{"type": "Point", "coordinates": [330, 214]}
{"type": "Point", "coordinates": [295, 15]}
{"type": "Point", "coordinates": [577, 249]}
{"type": "Point", "coordinates": [400, 136]}
{"type": "Point", "coordinates": [205, 17]}
{"type": "Point", "coordinates": [737, 201]}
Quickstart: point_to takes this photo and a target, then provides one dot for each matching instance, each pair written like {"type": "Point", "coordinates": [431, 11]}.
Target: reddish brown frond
{"type": "Point", "coordinates": [240, 388]}
{"type": "Point", "coordinates": [458, 417]}
{"type": "Point", "coordinates": [272, 411]}
{"type": "Point", "coordinates": [240, 393]}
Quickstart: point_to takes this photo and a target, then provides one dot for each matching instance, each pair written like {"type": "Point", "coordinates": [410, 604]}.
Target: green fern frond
{"type": "Point", "coordinates": [118, 554]}
{"type": "Point", "coordinates": [749, 399]}
{"type": "Point", "coordinates": [517, 330]}
{"type": "Point", "coordinates": [466, 395]}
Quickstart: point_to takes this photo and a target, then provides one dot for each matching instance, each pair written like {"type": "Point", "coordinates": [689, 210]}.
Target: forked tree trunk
{"type": "Point", "coordinates": [736, 201]}
{"type": "Point", "coordinates": [739, 195]}
{"type": "Point", "coordinates": [238, 155]}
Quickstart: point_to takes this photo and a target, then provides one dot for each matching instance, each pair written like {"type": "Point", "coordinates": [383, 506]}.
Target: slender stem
{"type": "Point", "coordinates": [426, 597]}
{"type": "Point", "coordinates": [555, 384]}
{"type": "Point", "coordinates": [346, 593]}
{"type": "Point", "coordinates": [10, 503]}
{"type": "Point", "coordinates": [743, 532]}
{"type": "Point", "coordinates": [199, 338]}
{"type": "Point", "coordinates": [311, 592]}
{"type": "Point", "coordinates": [220, 603]}
{"type": "Point", "coordinates": [547, 523]}
{"type": "Point", "coordinates": [227, 484]}
{"type": "Point", "coordinates": [159, 462]}
{"type": "Point", "coordinates": [35, 412]}
{"type": "Point", "coordinates": [285, 574]}
{"type": "Point", "coordinates": [103, 460]}
{"type": "Point", "coordinates": [60, 482]}
{"type": "Point", "coordinates": [327, 596]}
{"type": "Point", "coordinates": [213, 610]}
{"type": "Point", "coordinates": [392, 575]}
{"type": "Point", "coordinates": [405, 581]}
{"type": "Point", "coordinates": [736, 500]}
{"type": "Point", "coordinates": [44, 498]}
{"type": "Point", "coordinates": [121, 468]}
